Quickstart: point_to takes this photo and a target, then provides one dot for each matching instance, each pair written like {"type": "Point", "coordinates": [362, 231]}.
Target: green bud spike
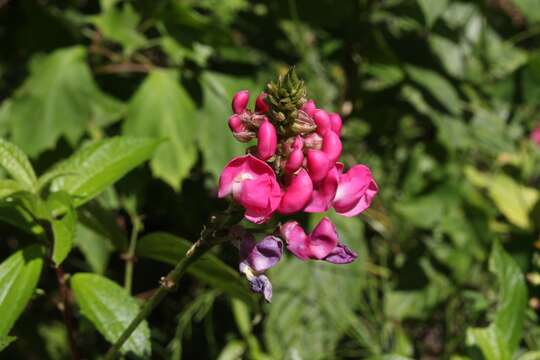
{"type": "Point", "coordinates": [286, 97]}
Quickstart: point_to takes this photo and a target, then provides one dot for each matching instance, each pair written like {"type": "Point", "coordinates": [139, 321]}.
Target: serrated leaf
{"type": "Point", "coordinates": [437, 86]}
{"type": "Point", "coordinates": [96, 166]}
{"type": "Point", "coordinates": [110, 309]}
{"type": "Point", "coordinates": [170, 249]}
{"type": "Point", "coordinates": [59, 98]}
{"type": "Point", "coordinates": [215, 139]}
{"type": "Point", "coordinates": [163, 109]}
{"type": "Point", "coordinates": [514, 200]}
{"type": "Point", "coordinates": [19, 275]}
{"type": "Point", "coordinates": [120, 25]}
{"type": "Point", "coordinates": [17, 165]}
{"type": "Point", "coordinates": [6, 341]}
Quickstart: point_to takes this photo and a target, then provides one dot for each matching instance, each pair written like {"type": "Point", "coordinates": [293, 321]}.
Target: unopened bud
{"type": "Point", "coordinates": [267, 140]}
{"type": "Point", "coordinates": [335, 123]}
{"type": "Point", "coordinates": [239, 130]}
{"type": "Point", "coordinates": [294, 161]}
{"type": "Point", "coordinates": [240, 101]}
{"type": "Point", "coordinates": [261, 106]}
{"type": "Point", "coordinates": [313, 141]}
{"type": "Point", "coordinates": [309, 107]}
{"type": "Point", "coordinates": [322, 120]}
{"type": "Point", "coordinates": [303, 124]}
{"type": "Point", "coordinates": [332, 146]}
{"type": "Point", "coordinates": [318, 165]}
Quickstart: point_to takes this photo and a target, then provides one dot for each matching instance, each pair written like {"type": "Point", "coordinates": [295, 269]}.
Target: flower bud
{"type": "Point", "coordinates": [335, 123]}
{"type": "Point", "coordinates": [239, 130]}
{"type": "Point", "coordinates": [294, 161]}
{"type": "Point", "coordinates": [331, 146]}
{"type": "Point", "coordinates": [317, 165]}
{"type": "Point", "coordinates": [297, 194]}
{"type": "Point", "coordinates": [309, 108]}
{"type": "Point", "coordinates": [322, 120]}
{"type": "Point", "coordinates": [267, 140]}
{"type": "Point", "coordinates": [261, 106]}
{"type": "Point", "coordinates": [313, 141]}
{"type": "Point", "coordinates": [303, 124]}
{"type": "Point", "coordinates": [240, 101]}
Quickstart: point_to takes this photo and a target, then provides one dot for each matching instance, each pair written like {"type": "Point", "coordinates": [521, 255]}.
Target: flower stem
{"type": "Point", "coordinates": [129, 256]}
{"type": "Point", "coordinates": [210, 236]}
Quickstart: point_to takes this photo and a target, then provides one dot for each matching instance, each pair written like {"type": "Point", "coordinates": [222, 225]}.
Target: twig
{"type": "Point", "coordinates": [66, 311]}
{"type": "Point", "coordinates": [126, 67]}
{"type": "Point", "coordinates": [129, 256]}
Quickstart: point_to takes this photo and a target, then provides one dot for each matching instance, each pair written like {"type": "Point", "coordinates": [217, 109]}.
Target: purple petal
{"type": "Point", "coordinates": [262, 285]}
{"type": "Point", "coordinates": [341, 255]}
{"type": "Point", "coordinates": [265, 254]}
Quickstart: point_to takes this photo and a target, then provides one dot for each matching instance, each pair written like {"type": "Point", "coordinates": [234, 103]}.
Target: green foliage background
{"type": "Point", "coordinates": [438, 97]}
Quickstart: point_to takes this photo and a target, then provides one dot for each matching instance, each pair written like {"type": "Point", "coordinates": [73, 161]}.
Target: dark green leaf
{"type": "Point", "coordinates": [110, 308]}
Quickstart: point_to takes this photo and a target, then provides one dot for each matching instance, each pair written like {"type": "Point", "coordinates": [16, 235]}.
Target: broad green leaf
{"type": "Point", "coordinates": [59, 98]}
{"type": "Point", "coordinates": [437, 86]}
{"type": "Point", "coordinates": [21, 209]}
{"type": "Point", "coordinates": [530, 355]}
{"type": "Point", "coordinates": [102, 221]}
{"type": "Point", "coordinates": [110, 308]}
{"type": "Point", "coordinates": [17, 165]}
{"type": "Point", "coordinates": [120, 25]}
{"type": "Point", "coordinates": [99, 164]}
{"type": "Point", "coordinates": [9, 187]}
{"type": "Point", "coordinates": [501, 338]}
{"type": "Point", "coordinates": [514, 200]}
{"type": "Point", "coordinates": [19, 275]}
{"type": "Point", "coordinates": [163, 109]}
{"type": "Point", "coordinates": [170, 249]}
{"type": "Point", "coordinates": [384, 76]}
{"type": "Point", "coordinates": [95, 247]}
{"type": "Point", "coordinates": [432, 9]}
{"type": "Point", "coordinates": [63, 232]}
{"type": "Point", "coordinates": [234, 350]}
{"type": "Point", "coordinates": [312, 297]}
{"type": "Point", "coordinates": [6, 341]}
{"type": "Point", "coordinates": [215, 139]}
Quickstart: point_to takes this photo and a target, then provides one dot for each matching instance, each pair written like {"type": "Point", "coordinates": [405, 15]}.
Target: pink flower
{"type": "Point", "coordinates": [322, 244]}
{"type": "Point", "coordinates": [335, 123]}
{"type": "Point", "coordinates": [261, 106]}
{"type": "Point", "coordinates": [318, 165]}
{"type": "Point", "coordinates": [323, 121]}
{"type": "Point", "coordinates": [324, 192]}
{"type": "Point", "coordinates": [240, 101]}
{"type": "Point", "coordinates": [331, 146]}
{"type": "Point", "coordinates": [266, 140]}
{"type": "Point", "coordinates": [309, 107]}
{"type": "Point", "coordinates": [239, 129]}
{"type": "Point", "coordinates": [294, 161]}
{"type": "Point", "coordinates": [297, 194]}
{"type": "Point", "coordinates": [535, 135]}
{"type": "Point", "coordinates": [355, 191]}
{"type": "Point", "coordinates": [252, 183]}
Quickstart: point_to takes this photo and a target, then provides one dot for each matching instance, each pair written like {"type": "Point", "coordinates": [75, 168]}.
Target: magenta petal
{"type": "Point", "coordinates": [309, 108]}
{"type": "Point", "coordinates": [355, 192]}
{"type": "Point", "coordinates": [318, 165]}
{"type": "Point", "coordinates": [295, 160]}
{"type": "Point", "coordinates": [240, 101]}
{"type": "Point", "coordinates": [296, 239]}
{"type": "Point", "coordinates": [336, 123]}
{"type": "Point", "coordinates": [331, 146]}
{"type": "Point", "coordinates": [297, 194]}
{"type": "Point", "coordinates": [267, 140]}
{"type": "Point", "coordinates": [535, 135]}
{"type": "Point", "coordinates": [322, 240]}
{"type": "Point", "coordinates": [261, 106]}
{"type": "Point", "coordinates": [341, 254]}
{"type": "Point", "coordinates": [313, 141]}
{"type": "Point", "coordinates": [324, 193]}
{"type": "Point", "coordinates": [235, 123]}
{"type": "Point", "coordinates": [322, 120]}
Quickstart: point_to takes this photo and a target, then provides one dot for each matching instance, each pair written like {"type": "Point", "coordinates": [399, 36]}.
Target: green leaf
{"type": "Point", "coordinates": [529, 8]}
{"type": "Point", "coordinates": [110, 308]}
{"type": "Point", "coordinates": [63, 232]}
{"type": "Point", "coordinates": [170, 249]}
{"type": "Point", "coordinates": [120, 25]}
{"type": "Point", "coordinates": [19, 275]}
{"type": "Point", "coordinates": [102, 221]}
{"type": "Point", "coordinates": [59, 98]}
{"type": "Point", "coordinates": [500, 340]}
{"type": "Point", "coordinates": [9, 187]}
{"type": "Point", "coordinates": [99, 164]}
{"type": "Point", "coordinates": [514, 200]}
{"type": "Point", "coordinates": [163, 109]}
{"type": "Point", "coordinates": [432, 9]}
{"type": "Point", "coordinates": [436, 85]}
{"type": "Point", "coordinates": [6, 341]}
{"type": "Point", "coordinates": [15, 162]}
{"type": "Point", "coordinates": [94, 246]}
{"type": "Point", "coordinates": [215, 140]}
{"type": "Point", "coordinates": [384, 76]}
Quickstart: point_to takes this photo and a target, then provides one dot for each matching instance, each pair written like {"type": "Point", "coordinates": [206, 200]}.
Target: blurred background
{"type": "Point", "coordinates": [438, 97]}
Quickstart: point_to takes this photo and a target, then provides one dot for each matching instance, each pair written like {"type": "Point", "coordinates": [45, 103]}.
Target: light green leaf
{"type": "Point", "coordinates": [234, 350]}
{"type": "Point", "coordinates": [170, 249]}
{"type": "Point", "coordinates": [384, 76]}
{"type": "Point", "coordinates": [94, 246]}
{"type": "Point", "coordinates": [215, 139]}
{"type": "Point", "coordinates": [98, 165]}
{"type": "Point", "coordinates": [514, 200]}
{"type": "Point", "coordinates": [120, 25]}
{"type": "Point", "coordinates": [530, 355]}
{"type": "Point", "coordinates": [432, 9]}
{"type": "Point", "coordinates": [163, 109]}
{"type": "Point", "coordinates": [63, 232]}
{"type": "Point", "coordinates": [59, 98]}
{"type": "Point", "coordinates": [6, 341]}
{"type": "Point", "coordinates": [529, 8]}
{"type": "Point", "coordinates": [19, 275]}
{"type": "Point", "coordinates": [110, 308]}
{"type": "Point", "coordinates": [490, 343]}
{"type": "Point", "coordinates": [9, 187]}
{"type": "Point", "coordinates": [436, 85]}
{"type": "Point", "coordinates": [17, 165]}
{"type": "Point", "coordinates": [102, 222]}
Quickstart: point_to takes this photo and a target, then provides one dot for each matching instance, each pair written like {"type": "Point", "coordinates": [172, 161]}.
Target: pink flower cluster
{"type": "Point", "coordinates": [535, 135]}
{"type": "Point", "coordinates": [293, 169]}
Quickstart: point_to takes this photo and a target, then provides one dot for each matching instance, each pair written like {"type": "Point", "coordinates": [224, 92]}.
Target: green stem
{"type": "Point", "coordinates": [129, 256]}
{"type": "Point", "coordinates": [210, 236]}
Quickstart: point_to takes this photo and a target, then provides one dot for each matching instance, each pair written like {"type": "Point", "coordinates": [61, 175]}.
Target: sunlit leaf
{"type": "Point", "coordinates": [17, 165]}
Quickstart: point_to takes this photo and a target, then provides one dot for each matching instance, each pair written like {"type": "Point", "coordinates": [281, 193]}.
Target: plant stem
{"type": "Point", "coordinates": [66, 311]}
{"type": "Point", "coordinates": [210, 236]}
{"type": "Point", "coordinates": [129, 257]}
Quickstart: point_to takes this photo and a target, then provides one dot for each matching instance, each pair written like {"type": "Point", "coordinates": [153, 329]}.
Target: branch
{"type": "Point", "coordinates": [66, 311]}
